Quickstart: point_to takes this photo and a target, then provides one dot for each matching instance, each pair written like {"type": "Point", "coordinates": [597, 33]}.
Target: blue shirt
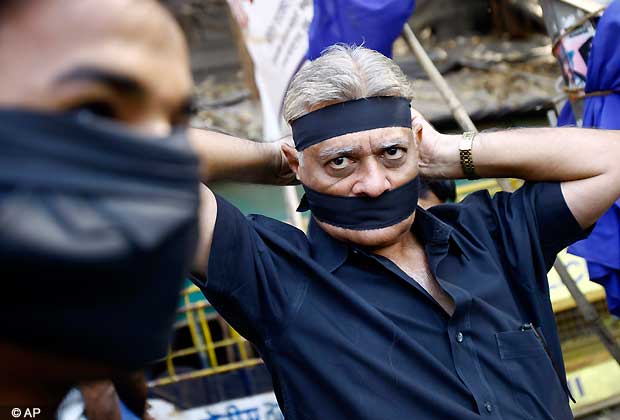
{"type": "Point", "coordinates": [346, 334]}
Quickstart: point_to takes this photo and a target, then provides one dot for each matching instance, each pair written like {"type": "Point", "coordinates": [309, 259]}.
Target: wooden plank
{"type": "Point", "coordinates": [594, 386]}
{"type": "Point", "coordinates": [560, 296]}
{"type": "Point", "coordinates": [597, 406]}
{"type": "Point", "coordinates": [589, 6]}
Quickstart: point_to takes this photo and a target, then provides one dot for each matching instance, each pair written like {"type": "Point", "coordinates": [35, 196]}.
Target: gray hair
{"type": "Point", "coordinates": [343, 73]}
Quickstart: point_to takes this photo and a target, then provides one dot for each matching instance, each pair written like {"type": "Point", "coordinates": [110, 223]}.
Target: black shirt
{"type": "Point", "coordinates": [346, 334]}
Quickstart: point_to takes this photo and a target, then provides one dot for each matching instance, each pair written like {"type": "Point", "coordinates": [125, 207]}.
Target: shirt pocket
{"type": "Point", "coordinates": [534, 383]}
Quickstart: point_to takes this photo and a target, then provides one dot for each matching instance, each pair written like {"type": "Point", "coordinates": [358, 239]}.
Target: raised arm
{"type": "Point", "coordinates": [230, 158]}
{"type": "Point", "coordinates": [584, 160]}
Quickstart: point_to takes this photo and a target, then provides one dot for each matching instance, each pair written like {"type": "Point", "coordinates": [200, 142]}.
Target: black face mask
{"type": "Point", "coordinates": [98, 228]}
{"type": "Point", "coordinates": [363, 213]}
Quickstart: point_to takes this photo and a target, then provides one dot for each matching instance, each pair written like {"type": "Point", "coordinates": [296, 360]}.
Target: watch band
{"type": "Point", "coordinates": [465, 151]}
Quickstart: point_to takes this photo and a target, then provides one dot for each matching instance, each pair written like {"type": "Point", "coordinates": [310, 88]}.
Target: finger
{"type": "Point", "coordinates": [418, 121]}
{"type": "Point", "coordinates": [415, 114]}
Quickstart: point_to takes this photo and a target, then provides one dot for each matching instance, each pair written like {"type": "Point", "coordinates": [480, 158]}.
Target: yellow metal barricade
{"type": "Point", "coordinates": [214, 346]}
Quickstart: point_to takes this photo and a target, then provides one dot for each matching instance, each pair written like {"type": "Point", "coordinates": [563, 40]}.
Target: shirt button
{"type": "Point", "coordinates": [488, 406]}
{"type": "Point", "coordinates": [459, 337]}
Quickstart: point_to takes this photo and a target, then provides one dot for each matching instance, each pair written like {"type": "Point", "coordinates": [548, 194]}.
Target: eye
{"type": "Point", "coordinates": [394, 152]}
{"type": "Point", "coordinates": [98, 108]}
{"type": "Point", "coordinates": [185, 113]}
{"type": "Point", "coordinates": [340, 162]}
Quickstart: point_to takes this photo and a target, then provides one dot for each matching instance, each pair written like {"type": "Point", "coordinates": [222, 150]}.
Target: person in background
{"type": "Point", "coordinates": [436, 191]}
{"type": "Point", "coordinates": [601, 107]}
{"type": "Point", "coordinates": [99, 196]}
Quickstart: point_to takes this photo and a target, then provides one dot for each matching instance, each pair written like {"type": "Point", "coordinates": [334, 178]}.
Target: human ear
{"type": "Point", "coordinates": [290, 153]}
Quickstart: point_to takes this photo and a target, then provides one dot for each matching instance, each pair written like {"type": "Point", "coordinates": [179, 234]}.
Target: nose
{"type": "Point", "coordinates": [372, 181]}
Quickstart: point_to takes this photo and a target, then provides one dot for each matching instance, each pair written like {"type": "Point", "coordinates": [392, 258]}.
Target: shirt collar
{"type": "Point", "coordinates": [332, 253]}
{"type": "Point", "coordinates": [329, 252]}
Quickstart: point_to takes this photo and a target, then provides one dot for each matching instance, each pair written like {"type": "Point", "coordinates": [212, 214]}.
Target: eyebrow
{"type": "Point", "coordinates": [327, 153]}
{"type": "Point", "coordinates": [395, 142]}
{"type": "Point", "coordinates": [121, 83]}
{"type": "Point", "coordinates": [348, 150]}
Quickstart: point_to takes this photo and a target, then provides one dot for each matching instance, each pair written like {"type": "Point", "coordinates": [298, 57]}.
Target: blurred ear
{"type": "Point", "coordinates": [291, 156]}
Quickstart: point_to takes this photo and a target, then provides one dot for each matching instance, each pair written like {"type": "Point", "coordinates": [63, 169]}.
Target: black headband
{"type": "Point", "coordinates": [351, 117]}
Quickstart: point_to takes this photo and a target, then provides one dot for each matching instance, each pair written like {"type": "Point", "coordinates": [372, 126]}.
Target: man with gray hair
{"type": "Point", "coordinates": [385, 310]}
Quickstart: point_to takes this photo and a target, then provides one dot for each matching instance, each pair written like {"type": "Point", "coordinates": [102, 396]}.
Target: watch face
{"type": "Point", "coordinates": [467, 140]}
{"type": "Point", "coordinates": [465, 144]}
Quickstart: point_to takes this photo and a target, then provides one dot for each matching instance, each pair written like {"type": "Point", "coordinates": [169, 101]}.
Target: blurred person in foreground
{"type": "Point", "coordinates": [99, 196]}
{"type": "Point", "coordinates": [385, 310]}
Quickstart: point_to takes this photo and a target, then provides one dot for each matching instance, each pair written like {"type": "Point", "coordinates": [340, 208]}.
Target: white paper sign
{"type": "Point", "coordinates": [276, 35]}
{"type": "Point", "coordinates": [256, 407]}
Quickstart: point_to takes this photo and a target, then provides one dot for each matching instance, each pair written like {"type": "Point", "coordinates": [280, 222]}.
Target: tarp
{"type": "Point", "coordinates": [602, 249]}
{"type": "Point", "coordinates": [373, 23]}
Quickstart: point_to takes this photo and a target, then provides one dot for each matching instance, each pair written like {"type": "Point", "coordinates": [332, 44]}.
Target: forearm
{"type": "Point", "coordinates": [226, 157]}
{"type": "Point", "coordinates": [535, 154]}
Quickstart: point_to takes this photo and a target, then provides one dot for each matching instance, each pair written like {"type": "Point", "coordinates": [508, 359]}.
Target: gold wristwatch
{"type": "Point", "coordinates": [467, 159]}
